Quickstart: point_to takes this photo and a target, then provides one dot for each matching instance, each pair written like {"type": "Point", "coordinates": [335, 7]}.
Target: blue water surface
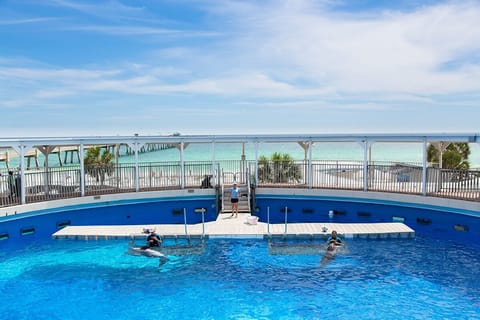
{"type": "Point", "coordinates": [243, 279]}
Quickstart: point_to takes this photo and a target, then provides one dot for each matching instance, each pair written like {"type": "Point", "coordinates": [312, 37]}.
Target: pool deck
{"type": "Point", "coordinates": [228, 227]}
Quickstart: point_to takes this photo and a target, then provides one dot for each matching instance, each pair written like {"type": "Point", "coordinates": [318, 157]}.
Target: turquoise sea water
{"type": "Point", "coordinates": [395, 152]}
{"type": "Point", "coordinates": [391, 152]}
{"type": "Point", "coordinates": [238, 279]}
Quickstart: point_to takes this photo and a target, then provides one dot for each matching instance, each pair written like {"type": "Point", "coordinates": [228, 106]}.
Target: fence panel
{"type": "Point", "coordinates": [65, 182]}
{"type": "Point", "coordinates": [277, 174]}
{"type": "Point", "coordinates": [51, 184]}
{"type": "Point", "coordinates": [394, 177]}
{"type": "Point", "coordinates": [158, 176]}
{"type": "Point", "coordinates": [117, 179]}
{"type": "Point", "coordinates": [337, 175]}
{"type": "Point", "coordinates": [9, 188]}
{"type": "Point", "coordinates": [456, 184]}
{"type": "Point", "coordinates": [233, 171]}
{"type": "Point", "coordinates": [198, 174]}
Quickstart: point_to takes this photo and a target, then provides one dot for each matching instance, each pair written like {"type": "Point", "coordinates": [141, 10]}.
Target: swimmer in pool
{"type": "Point", "coordinates": [335, 239]}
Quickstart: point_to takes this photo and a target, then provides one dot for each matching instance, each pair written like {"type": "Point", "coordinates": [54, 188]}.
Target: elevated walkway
{"type": "Point", "coordinates": [227, 227]}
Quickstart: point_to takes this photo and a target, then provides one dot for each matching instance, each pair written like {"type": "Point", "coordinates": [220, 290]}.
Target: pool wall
{"type": "Point", "coordinates": [39, 221]}
{"type": "Point", "coordinates": [443, 218]}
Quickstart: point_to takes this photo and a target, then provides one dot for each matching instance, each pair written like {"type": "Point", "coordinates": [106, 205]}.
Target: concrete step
{"type": "Point", "coordinates": [243, 205]}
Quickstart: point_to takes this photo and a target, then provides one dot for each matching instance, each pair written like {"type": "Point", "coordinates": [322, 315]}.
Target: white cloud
{"type": "Point", "coordinates": [276, 53]}
{"type": "Point", "coordinates": [53, 74]}
{"type": "Point", "coordinates": [301, 48]}
{"type": "Point", "coordinates": [20, 21]}
{"type": "Point", "coordinates": [140, 30]}
{"type": "Point", "coordinates": [400, 52]}
{"type": "Point", "coordinates": [110, 9]}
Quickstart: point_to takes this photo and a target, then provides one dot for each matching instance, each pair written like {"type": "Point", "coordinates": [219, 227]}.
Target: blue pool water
{"type": "Point", "coordinates": [243, 279]}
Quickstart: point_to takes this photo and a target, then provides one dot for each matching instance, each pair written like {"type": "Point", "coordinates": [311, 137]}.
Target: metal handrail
{"type": "Point", "coordinates": [222, 185]}
{"type": "Point", "coordinates": [248, 189]}
{"type": "Point", "coordinates": [71, 182]}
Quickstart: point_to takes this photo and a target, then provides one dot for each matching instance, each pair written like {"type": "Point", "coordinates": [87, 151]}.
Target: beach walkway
{"type": "Point", "coordinates": [228, 227]}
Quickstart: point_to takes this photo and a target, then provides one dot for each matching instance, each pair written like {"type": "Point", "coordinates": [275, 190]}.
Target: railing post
{"type": "Point", "coordinates": [203, 223]}
{"type": "Point", "coordinates": [150, 174]}
{"type": "Point", "coordinates": [22, 150]}
{"type": "Point", "coordinates": [424, 172]}
{"type": "Point", "coordinates": [185, 220]}
{"type": "Point", "coordinates": [268, 220]}
{"type": "Point", "coordinates": [182, 167]}
{"type": "Point", "coordinates": [82, 170]}
{"type": "Point", "coordinates": [22, 174]}
{"type": "Point", "coordinates": [137, 170]}
{"type": "Point", "coordinates": [286, 211]}
{"type": "Point", "coordinates": [310, 165]}
{"type": "Point", "coordinates": [365, 165]}
{"type": "Point", "coordinates": [336, 174]}
{"type": "Point", "coordinates": [256, 163]}
{"type": "Point", "coordinates": [214, 176]}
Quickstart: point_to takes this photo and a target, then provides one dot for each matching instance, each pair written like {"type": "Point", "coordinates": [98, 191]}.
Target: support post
{"type": "Point", "coordinates": [310, 165]}
{"type": "Point", "coordinates": [182, 167]}
{"type": "Point", "coordinates": [268, 220]}
{"type": "Point", "coordinates": [424, 169]}
{"type": "Point", "coordinates": [214, 175]}
{"type": "Point", "coordinates": [203, 223]}
{"type": "Point", "coordinates": [136, 145]}
{"type": "Point", "coordinates": [185, 220]}
{"type": "Point", "coordinates": [137, 170]}
{"type": "Point", "coordinates": [22, 174]}
{"type": "Point", "coordinates": [46, 150]}
{"type": "Point", "coordinates": [365, 165]}
{"type": "Point", "coordinates": [256, 163]}
{"type": "Point", "coordinates": [82, 169]}
{"type": "Point", "coordinates": [22, 149]}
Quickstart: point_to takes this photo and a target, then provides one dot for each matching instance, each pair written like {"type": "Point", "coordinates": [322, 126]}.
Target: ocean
{"type": "Point", "coordinates": [346, 151]}
{"type": "Point", "coordinates": [389, 152]}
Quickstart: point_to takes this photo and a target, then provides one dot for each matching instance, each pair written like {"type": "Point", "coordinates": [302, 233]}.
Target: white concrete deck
{"type": "Point", "coordinates": [227, 227]}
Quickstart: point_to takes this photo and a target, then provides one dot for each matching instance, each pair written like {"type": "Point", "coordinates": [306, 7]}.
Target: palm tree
{"type": "Point", "coordinates": [98, 164]}
{"type": "Point", "coordinates": [281, 168]}
{"type": "Point", "coordinates": [264, 170]}
{"type": "Point", "coordinates": [284, 168]}
{"type": "Point", "coordinates": [449, 155]}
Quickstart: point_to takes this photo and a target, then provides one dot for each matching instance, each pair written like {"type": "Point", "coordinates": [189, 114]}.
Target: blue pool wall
{"type": "Point", "coordinates": [34, 224]}
{"type": "Point", "coordinates": [442, 218]}
{"type": "Point", "coordinates": [433, 217]}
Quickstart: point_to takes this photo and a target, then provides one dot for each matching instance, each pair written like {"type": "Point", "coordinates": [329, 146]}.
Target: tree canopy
{"type": "Point", "coordinates": [281, 168]}
{"type": "Point", "coordinates": [455, 155]}
{"type": "Point", "coordinates": [98, 163]}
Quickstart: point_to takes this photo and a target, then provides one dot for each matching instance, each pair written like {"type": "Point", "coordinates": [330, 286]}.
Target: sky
{"type": "Point", "coordinates": [157, 67]}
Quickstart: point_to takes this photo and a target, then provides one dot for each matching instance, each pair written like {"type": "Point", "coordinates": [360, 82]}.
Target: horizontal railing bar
{"type": "Point", "coordinates": [406, 178]}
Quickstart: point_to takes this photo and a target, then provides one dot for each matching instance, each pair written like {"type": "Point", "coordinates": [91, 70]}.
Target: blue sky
{"type": "Point", "coordinates": [70, 67]}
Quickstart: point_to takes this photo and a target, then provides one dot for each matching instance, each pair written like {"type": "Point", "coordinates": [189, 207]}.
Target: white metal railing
{"type": "Point", "coordinates": [67, 182]}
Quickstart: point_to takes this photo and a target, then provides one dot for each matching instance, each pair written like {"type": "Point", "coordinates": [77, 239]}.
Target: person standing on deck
{"type": "Point", "coordinates": [11, 184]}
{"type": "Point", "coordinates": [235, 193]}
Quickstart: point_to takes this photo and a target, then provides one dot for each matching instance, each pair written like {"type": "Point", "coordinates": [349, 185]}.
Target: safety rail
{"type": "Point", "coordinates": [240, 177]}
{"type": "Point", "coordinates": [68, 181]}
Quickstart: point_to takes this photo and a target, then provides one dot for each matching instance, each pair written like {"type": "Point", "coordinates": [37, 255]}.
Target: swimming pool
{"type": "Point", "coordinates": [243, 279]}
